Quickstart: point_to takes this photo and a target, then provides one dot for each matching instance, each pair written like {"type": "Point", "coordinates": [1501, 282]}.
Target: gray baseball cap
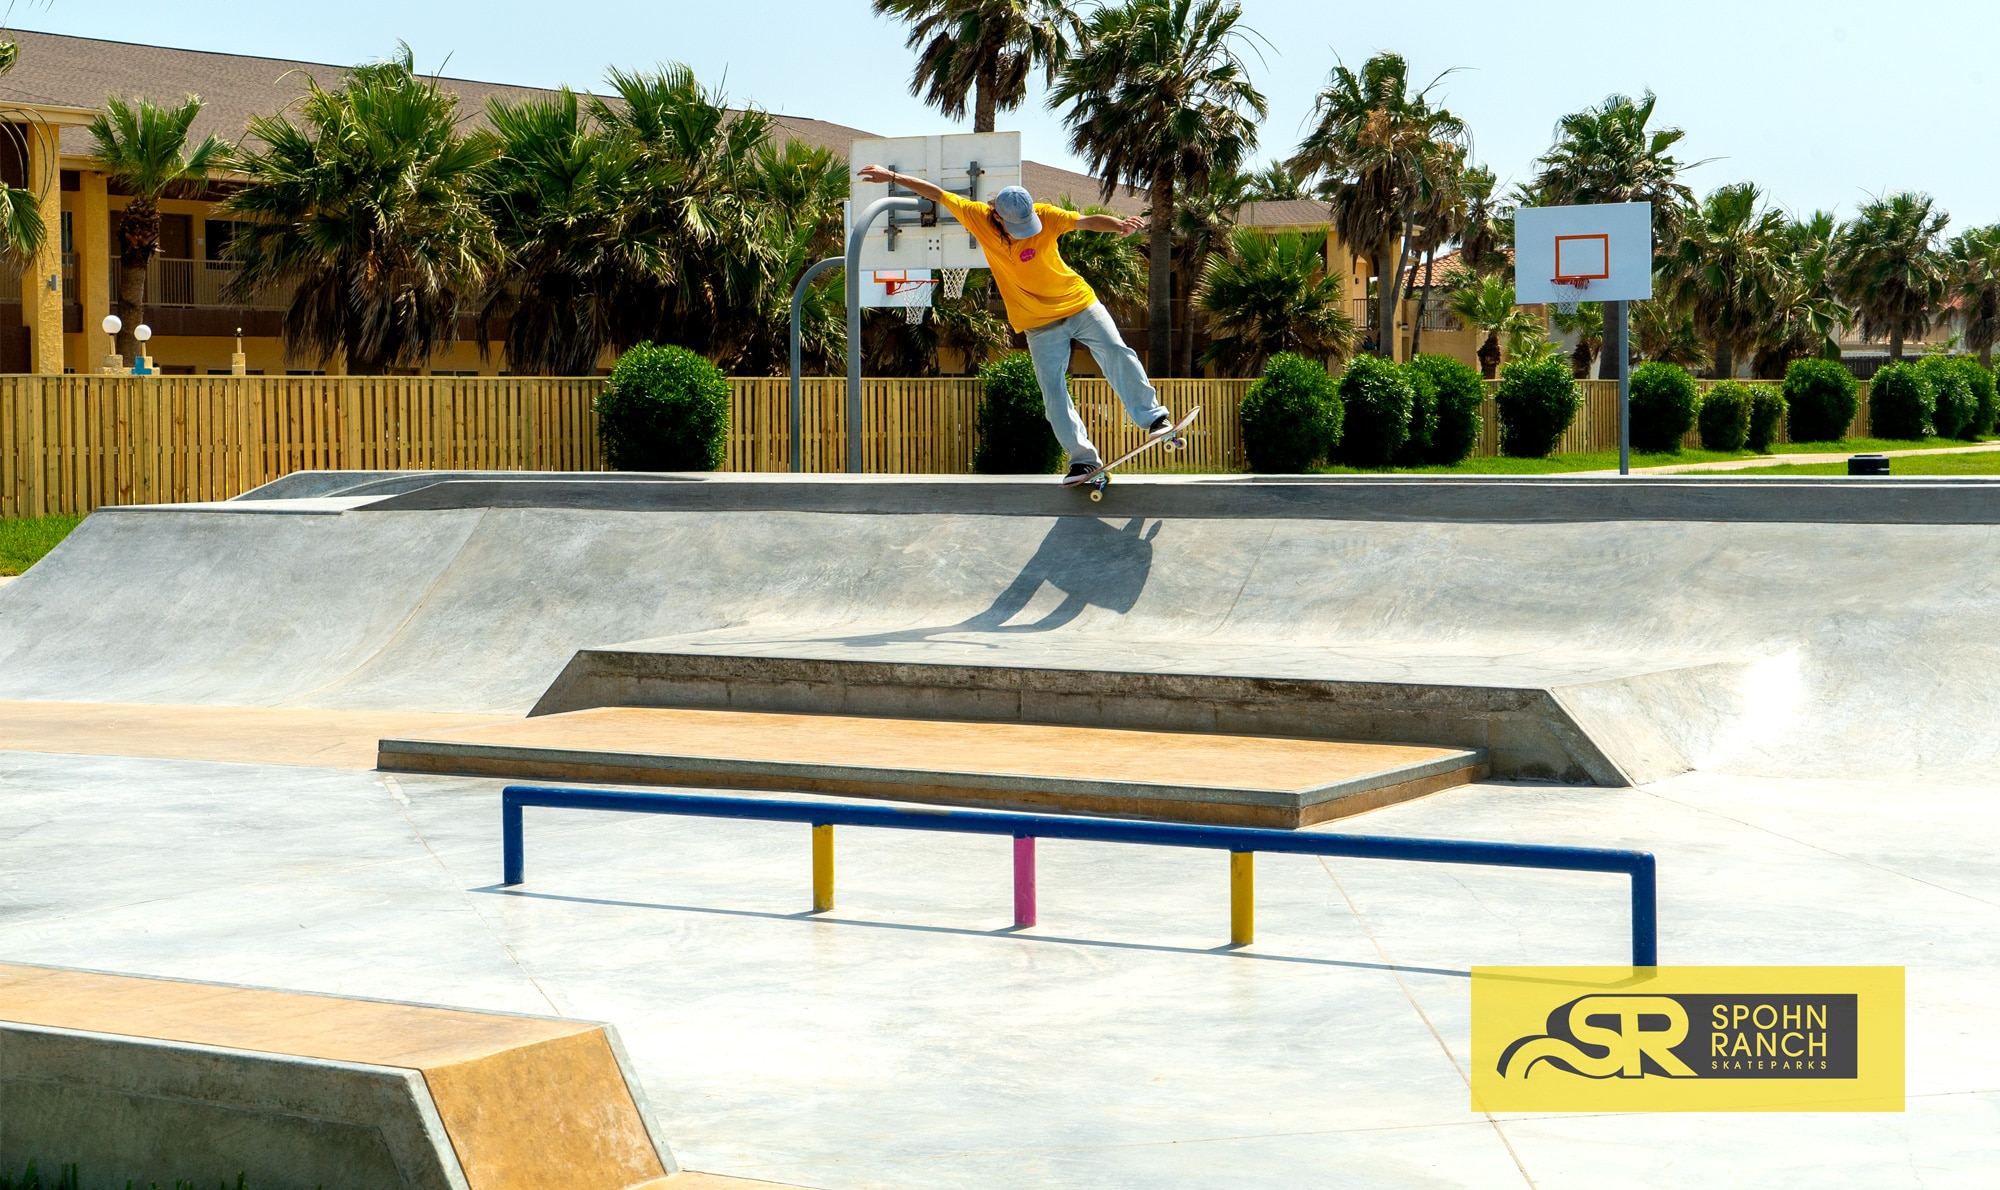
{"type": "Point", "coordinates": [1016, 208]}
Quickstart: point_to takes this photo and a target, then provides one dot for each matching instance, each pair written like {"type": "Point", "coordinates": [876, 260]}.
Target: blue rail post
{"type": "Point", "coordinates": [1637, 865]}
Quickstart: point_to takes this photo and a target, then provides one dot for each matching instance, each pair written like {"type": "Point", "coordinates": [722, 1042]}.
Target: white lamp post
{"type": "Point", "coordinates": [143, 366]}
{"type": "Point", "coordinates": [114, 364]}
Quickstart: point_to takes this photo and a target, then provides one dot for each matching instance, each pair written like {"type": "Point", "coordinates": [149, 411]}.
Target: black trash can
{"type": "Point", "coordinates": [1868, 465]}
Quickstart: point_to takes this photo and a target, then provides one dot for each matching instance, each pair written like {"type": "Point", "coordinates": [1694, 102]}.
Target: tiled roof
{"type": "Point", "coordinates": [81, 71]}
{"type": "Point", "coordinates": [1285, 212]}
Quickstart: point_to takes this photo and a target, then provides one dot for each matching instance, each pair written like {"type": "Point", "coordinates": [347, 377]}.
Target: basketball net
{"type": "Point", "coordinates": [914, 314]}
{"type": "Point", "coordinates": [954, 282]}
{"type": "Point", "coordinates": [1576, 287]}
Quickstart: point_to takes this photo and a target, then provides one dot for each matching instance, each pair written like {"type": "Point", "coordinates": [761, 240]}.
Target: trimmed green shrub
{"type": "Point", "coordinates": [1291, 416]}
{"type": "Point", "coordinates": [1537, 402]}
{"type": "Point", "coordinates": [1820, 400]}
{"type": "Point", "coordinates": [1459, 391]}
{"type": "Point", "coordinates": [1416, 448]}
{"type": "Point", "coordinates": [1985, 403]}
{"type": "Point", "coordinates": [1014, 433]}
{"type": "Point", "coordinates": [1664, 397]}
{"type": "Point", "coordinates": [1724, 417]}
{"type": "Point", "coordinates": [1378, 402]}
{"type": "Point", "coordinates": [1956, 409]}
{"type": "Point", "coordinates": [1767, 413]}
{"type": "Point", "coordinates": [664, 409]}
{"type": "Point", "coordinates": [1901, 402]}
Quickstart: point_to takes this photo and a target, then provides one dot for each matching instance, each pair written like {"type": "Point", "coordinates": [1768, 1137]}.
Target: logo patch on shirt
{"type": "Point", "coordinates": [1027, 254]}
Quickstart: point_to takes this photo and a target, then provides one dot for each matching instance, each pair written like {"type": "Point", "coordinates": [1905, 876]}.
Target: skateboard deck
{"type": "Point", "coordinates": [1099, 477]}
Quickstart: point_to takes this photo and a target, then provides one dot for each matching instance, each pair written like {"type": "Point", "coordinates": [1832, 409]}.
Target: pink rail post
{"type": "Point", "coordinates": [1024, 881]}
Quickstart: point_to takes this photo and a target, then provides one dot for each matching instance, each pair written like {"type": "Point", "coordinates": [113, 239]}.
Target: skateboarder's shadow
{"type": "Point", "coordinates": [1088, 562]}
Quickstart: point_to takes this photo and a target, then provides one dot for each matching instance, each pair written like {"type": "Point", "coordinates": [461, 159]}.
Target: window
{"type": "Point", "coordinates": [216, 234]}
{"type": "Point", "coordinates": [68, 233]}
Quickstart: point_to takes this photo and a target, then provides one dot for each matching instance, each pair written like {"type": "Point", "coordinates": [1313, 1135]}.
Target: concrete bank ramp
{"type": "Point", "coordinates": [1621, 630]}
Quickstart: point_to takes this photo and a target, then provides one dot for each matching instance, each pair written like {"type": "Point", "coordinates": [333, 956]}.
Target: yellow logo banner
{"type": "Point", "coordinates": [1605, 1039]}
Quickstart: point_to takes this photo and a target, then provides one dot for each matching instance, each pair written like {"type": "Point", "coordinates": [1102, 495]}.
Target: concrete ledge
{"type": "Point", "coordinates": [1522, 732]}
{"type": "Point", "coordinates": [1466, 499]}
{"type": "Point", "coordinates": [142, 1079]}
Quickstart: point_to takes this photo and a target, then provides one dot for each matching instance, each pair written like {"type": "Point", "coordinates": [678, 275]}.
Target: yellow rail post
{"type": "Point", "coordinates": [1242, 897]}
{"type": "Point", "coordinates": [823, 868]}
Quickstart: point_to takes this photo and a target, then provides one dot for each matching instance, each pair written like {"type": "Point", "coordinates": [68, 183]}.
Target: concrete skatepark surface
{"type": "Point", "coordinates": [1655, 646]}
{"type": "Point", "coordinates": [1825, 678]}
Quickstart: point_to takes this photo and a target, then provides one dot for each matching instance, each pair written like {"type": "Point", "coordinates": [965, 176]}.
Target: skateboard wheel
{"type": "Point", "coordinates": [1096, 494]}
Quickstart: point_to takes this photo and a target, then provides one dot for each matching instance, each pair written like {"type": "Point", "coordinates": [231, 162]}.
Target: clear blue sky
{"type": "Point", "coordinates": [1822, 103]}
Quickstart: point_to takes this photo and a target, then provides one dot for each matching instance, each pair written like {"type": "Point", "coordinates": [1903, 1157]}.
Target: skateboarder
{"type": "Point", "coordinates": [1050, 304]}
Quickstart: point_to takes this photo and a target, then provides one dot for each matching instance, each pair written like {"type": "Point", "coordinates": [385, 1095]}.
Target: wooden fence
{"type": "Point", "coordinates": [71, 443]}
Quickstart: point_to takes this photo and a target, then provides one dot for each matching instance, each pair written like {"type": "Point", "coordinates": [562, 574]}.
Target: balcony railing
{"type": "Point", "coordinates": [197, 283]}
{"type": "Point", "coordinates": [1436, 317]}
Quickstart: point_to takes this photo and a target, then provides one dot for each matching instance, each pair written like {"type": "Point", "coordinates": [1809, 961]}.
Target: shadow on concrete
{"type": "Point", "coordinates": [1090, 562]}
{"type": "Point", "coordinates": [1225, 950]}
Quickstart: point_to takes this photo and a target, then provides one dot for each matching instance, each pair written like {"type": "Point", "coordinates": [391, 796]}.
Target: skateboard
{"type": "Point", "coordinates": [1099, 478]}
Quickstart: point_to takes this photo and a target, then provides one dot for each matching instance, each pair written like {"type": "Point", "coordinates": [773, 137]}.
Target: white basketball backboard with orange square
{"type": "Point", "coordinates": [1597, 253]}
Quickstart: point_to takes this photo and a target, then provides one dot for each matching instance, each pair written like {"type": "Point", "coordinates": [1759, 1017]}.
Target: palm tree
{"type": "Point", "coordinates": [1587, 324]}
{"type": "Point", "coordinates": [1383, 154]}
{"type": "Point", "coordinates": [1975, 273]}
{"type": "Point", "coordinates": [982, 48]}
{"type": "Point", "coordinates": [1487, 304]}
{"type": "Point", "coordinates": [1158, 97]}
{"type": "Point", "coordinates": [1726, 269]}
{"type": "Point", "coordinates": [144, 150]}
{"type": "Point", "coordinates": [1275, 183]}
{"type": "Point", "coordinates": [1273, 293]}
{"type": "Point", "coordinates": [1442, 220]}
{"type": "Point", "coordinates": [700, 198]}
{"type": "Point", "coordinates": [1808, 315]}
{"type": "Point", "coordinates": [1608, 153]}
{"type": "Point", "coordinates": [1489, 224]}
{"type": "Point", "coordinates": [367, 211]}
{"type": "Point", "coordinates": [1665, 332]}
{"type": "Point", "coordinates": [1202, 219]}
{"type": "Point", "coordinates": [1887, 265]}
{"type": "Point", "coordinates": [558, 196]}
{"type": "Point", "coordinates": [22, 231]}
{"type": "Point", "coordinates": [1110, 264]}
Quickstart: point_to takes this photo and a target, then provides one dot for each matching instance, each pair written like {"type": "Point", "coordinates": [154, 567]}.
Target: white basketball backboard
{"type": "Point", "coordinates": [975, 164]}
{"type": "Point", "coordinates": [1606, 247]}
{"type": "Point", "coordinates": [883, 289]}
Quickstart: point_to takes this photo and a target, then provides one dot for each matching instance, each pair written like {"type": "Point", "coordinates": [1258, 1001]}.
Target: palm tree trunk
{"type": "Point", "coordinates": [1489, 355]}
{"type": "Point", "coordinates": [1423, 299]}
{"type": "Point", "coordinates": [1387, 262]}
{"type": "Point", "coordinates": [1986, 357]}
{"type": "Point", "coordinates": [1186, 303]}
{"type": "Point", "coordinates": [138, 237]}
{"type": "Point", "coordinates": [1725, 360]}
{"type": "Point", "coordinates": [986, 97]}
{"type": "Point", "coordinates": [1895, 346]}
{"type": "Point", "coordinates": [1159, 279]}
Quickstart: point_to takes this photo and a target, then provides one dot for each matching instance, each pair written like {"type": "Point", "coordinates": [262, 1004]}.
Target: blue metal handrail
{"type": "Point", "coordinates": [1241, 841]}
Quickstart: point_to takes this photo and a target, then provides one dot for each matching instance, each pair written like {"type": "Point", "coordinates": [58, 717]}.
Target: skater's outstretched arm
{"type": "Point", "coordinates": [880, 173]}
{"type": "Point", "coordinates": [1112, 223]}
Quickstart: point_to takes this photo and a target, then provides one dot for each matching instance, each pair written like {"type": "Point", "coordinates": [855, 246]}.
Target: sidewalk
{"type": "Point", "coordinates": [1783, 460]}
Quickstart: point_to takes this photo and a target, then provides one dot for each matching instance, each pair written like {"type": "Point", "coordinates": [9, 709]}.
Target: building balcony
{"type": "Point", "coordinates": [196, 284]}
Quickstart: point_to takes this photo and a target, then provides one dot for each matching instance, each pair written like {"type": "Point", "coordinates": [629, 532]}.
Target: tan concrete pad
{"type": "Point", "coordinates": [241, 735]}
{"type": "Point", "coordinates": [1264, 780]}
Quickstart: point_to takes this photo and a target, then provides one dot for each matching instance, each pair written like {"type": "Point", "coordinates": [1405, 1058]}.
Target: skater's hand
{"type": "Point", "coordinates": [1130, 225]}
{"type": "Point", "coordinates": [1111, 223]}
{"type": "Point", "coordinates": [877, 173]}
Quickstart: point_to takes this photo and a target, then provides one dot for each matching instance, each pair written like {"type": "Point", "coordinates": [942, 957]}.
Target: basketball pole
{"type": "Point", "coordinates": [854, 238]}
{"type": "Point", "coordinates": [1619, 356]}
{"type": "Point", "coordinates": [798, 352]}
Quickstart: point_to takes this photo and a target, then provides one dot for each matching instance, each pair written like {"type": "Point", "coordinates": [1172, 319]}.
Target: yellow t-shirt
{"type": "Point", "coordinates": [1033, 280]}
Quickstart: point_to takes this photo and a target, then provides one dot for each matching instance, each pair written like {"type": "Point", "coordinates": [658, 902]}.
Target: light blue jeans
{"type": "Point", "coordinates": [1049, 346]}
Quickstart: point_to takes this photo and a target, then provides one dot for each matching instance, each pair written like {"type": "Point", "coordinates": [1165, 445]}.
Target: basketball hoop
{"type": "Point", "coordinates": [914, 314]}
{"type": "Point", "coordinates": [1576, 287]}
{"type": "Point", "coordinates": [954, 282]}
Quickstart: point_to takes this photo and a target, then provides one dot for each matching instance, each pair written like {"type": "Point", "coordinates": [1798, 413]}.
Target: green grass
{"type": "Point", "coordinates": [24, 541]}
{"type": "Point", "coordinates": [1986, 463]}
{"type": "Point", "coordinates": [1855, 446]}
